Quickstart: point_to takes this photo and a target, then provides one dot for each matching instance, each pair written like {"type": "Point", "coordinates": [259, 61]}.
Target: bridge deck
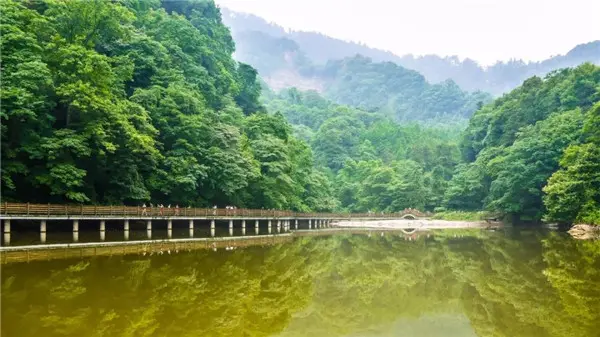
{"type": "Point", "coordinates": [75, 212]}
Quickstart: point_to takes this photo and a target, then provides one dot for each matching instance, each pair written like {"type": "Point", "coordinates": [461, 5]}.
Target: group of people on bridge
{"type": "Point", "coordinates": [161, 208]}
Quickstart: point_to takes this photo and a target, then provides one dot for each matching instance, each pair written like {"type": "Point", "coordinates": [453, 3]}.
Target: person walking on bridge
{"type": "Point", "coordinates": [144, 212]}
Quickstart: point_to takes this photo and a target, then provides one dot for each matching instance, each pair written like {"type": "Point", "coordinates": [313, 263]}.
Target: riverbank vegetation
{"type": "Point", "coordinates": [461, 215]}
{"type": "Point", "coordinates": [143, 102]}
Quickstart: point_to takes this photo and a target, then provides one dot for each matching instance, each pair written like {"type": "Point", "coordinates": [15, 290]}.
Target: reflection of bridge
{"type": "Point", "coordinates": [173, 246]}
{"type": "Point", "coordinates": [276, 221]}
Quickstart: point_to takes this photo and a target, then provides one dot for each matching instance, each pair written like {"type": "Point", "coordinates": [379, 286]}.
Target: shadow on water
{"type": "Point", "coordinates": [450, 283]}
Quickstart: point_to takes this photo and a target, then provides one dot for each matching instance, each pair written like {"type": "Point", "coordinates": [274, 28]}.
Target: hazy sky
{"type": "Point", "coordinates": [485, 30]}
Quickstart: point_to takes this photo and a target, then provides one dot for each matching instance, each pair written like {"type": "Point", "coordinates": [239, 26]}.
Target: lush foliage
{"type": "Point", "coordinates": [513, 146]}
{"type": "Point", "coordinates": [134, 101]}
{"type": "Point", "coordinates": [375, 163]}
{"type": "Point", "coordinates": [395, 91]}
{"type": "Point", "coordinates": [573, 192]}
{"type": "Point", "coordinates": [460, 215]}
{"type": "Point", "coordinates": [131, 101]}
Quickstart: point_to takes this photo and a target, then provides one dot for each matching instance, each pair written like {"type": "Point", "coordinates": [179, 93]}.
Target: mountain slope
{"type": "Point", "coordinates": [496, 79]}
{"type": "Point", "coordinates": [386, 87]}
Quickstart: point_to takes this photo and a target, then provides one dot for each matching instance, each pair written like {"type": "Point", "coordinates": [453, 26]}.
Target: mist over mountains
{"type": "Point", "coordinates": [297, 58]}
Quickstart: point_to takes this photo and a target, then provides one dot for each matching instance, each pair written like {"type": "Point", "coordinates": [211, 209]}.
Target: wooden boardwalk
{"type": "Point", "coordinates": [28, 211]}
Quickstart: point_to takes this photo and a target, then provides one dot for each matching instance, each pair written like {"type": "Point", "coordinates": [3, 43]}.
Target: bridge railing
{"type": "Point", "coordinates": [28, 209]}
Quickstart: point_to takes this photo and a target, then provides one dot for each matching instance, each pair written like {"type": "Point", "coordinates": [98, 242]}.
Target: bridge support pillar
{"type": "Point", "coordinates": [269, 226]}
{"type": "Point", "coordinates": [7, 239]}
{"type": "Point", "coordinates": [278, 226]}
{"type": "Point", "coordinates": [256, 223]}
{"type": "Point", "coordinates": [149, 229]}
{"type": "Point", "coordinates": [76, 236]}
{"type": "Point", "coordinates": [309, 223]}
{"type": "Point", "coordinates": [43, 231]}
{"type": "Point", "coordinates": [191, 228]}
{"type": "Point", "coordinates": [169, 224]}
{"type": "Point", "coordinates": [243, 227]}
{"type": "Point", "coordinates": [102, 230]}
{"type": "Point", "coordinates": [75, 225]}
{"type": "Point", "coordinates": [230, 227]}
{"type": "Point", "coordinates": [296, 224]}
{"type": "Point", "coordinates": [126, 230]}
{"type": "Point", "coordinates": [7, 226]}
{"type": "Point", "coordinates": [212, 228]}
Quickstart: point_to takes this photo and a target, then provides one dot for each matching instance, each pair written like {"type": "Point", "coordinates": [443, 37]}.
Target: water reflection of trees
{"type": "Point", "coordinates": [521, 284]}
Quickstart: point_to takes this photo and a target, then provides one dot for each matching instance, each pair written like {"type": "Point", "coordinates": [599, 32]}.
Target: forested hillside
{"type": "Point", "coordinates": [396, 92]}
{"type": "Point", "coordinates": [319, 49]}
{"type": "Point", "coordinates": [132, 101]}
{"type": "Point", "coordinates": [541, 137]}
{"type": "Point", "coordinates": [141, 101]}
{"type": "Point", "coordinates": [375, 163]}
{"type": "Point", "coordinates": [384, 87]}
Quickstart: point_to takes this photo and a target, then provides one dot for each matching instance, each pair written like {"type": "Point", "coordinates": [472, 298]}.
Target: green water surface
{"type": "Point", "coordinates": [460, 283]}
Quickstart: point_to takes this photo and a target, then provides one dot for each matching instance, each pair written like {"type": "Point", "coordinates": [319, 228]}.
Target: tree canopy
{"type": "Point", "coordinates": [136, 101]}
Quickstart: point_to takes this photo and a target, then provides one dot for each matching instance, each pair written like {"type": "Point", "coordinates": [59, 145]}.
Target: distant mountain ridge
{"type": "Point", "coordinates": [298, 50]}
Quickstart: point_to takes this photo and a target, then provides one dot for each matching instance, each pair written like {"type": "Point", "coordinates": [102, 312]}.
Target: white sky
{"type": "Point", "coordinates": [484, 30]}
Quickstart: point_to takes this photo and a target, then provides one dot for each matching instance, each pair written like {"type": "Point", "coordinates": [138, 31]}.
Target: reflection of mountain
{"type": "Point", "coordinates": [319, 49]}
{"type": "Point", "coordinates": [459, 283]}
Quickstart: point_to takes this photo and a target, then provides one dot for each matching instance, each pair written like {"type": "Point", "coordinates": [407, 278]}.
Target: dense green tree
{"type": "Point", "coordinates": [132, 101]}
{"type": "Point", "coordinates": [518, 176]}
{"type": "Point", "coordinates": [573, 192]}
{"type": "Point", "coordinates": [514, 145]}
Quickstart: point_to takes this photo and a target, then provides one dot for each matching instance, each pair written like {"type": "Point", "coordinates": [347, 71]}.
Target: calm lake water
{"type": "Point", "coordinates": [458, 283]}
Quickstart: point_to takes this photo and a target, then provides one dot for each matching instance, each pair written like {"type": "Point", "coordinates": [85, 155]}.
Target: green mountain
{"type": "Point", "coordinates": [141, 101]}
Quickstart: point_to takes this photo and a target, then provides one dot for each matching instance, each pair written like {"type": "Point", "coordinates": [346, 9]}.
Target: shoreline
{"type": "Point", "coordinates": [416, 224]}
